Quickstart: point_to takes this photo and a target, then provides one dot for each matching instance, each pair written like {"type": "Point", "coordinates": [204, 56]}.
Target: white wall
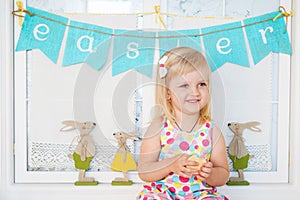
{"type": "Point", "coordinates": [11, 191]}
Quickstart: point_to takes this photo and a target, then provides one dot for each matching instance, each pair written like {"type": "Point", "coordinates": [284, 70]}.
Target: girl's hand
{"type": "Point", "coordinates": [179, 166]}
{"type": "Point", "coordinates": [205, 171]}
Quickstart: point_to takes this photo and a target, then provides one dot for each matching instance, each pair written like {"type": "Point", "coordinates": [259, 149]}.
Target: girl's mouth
{"type": "Point", "coordinates": [193, 100]}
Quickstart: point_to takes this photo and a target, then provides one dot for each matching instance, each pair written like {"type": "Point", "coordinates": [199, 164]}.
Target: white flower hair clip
{"type": "Point", "coordinates": [162, 68]}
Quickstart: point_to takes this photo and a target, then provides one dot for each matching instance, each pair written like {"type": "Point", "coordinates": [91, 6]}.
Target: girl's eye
{"type": "Point", "coordinates": [203, 84]}
{"type": "Point", "coordinates": [184, 86]}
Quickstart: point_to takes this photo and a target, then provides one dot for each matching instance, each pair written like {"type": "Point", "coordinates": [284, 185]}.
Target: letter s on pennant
{"type": "Point", "coordinates": [132, 47]}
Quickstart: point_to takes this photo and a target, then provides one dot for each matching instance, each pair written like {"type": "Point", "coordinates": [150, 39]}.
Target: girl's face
{"type": "Point", "coordinates": [188, 93]}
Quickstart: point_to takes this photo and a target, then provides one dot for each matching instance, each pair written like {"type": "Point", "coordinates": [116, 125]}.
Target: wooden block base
{"type": "Point", "coordinates": [120, 183]}
{"type": "Point", "coordinates": [231, 183]}
{"type": "Point", "coordinates": [79, 183]}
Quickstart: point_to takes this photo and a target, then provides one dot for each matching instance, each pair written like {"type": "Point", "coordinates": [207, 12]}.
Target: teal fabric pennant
{"type": "Point", "coordinates": [85, 39]}
{"type": "Point", "coordinates": [146, 69]}
{"type": "Point", "coordinates": [266, 35]}
{"type": "Point", "coordinates": [171, 39]}
{"type": "Point", "coordinates": [98, 57]}
{"type": "Point", "coordinates": [42, 31]}
{"type": "Point", "coordinates": [225, 43]}
{"type": "Point", "coordinates": [133, 50]}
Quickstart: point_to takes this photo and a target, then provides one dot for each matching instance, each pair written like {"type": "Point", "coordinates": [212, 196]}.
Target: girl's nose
{"type": "Point", "coordinates": [195, 91]}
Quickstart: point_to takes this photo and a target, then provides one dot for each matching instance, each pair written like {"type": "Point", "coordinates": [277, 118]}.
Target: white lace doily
{"type": "Point", "coordinates": [54, 157]}
{"type": "Point", "coordinates": [261, 160]}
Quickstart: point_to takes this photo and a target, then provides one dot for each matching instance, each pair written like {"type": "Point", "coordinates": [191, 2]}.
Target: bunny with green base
{"type": "Point", "coordinates": [237, 150]}
{"type": "Point", "coordinates": [85, 149]}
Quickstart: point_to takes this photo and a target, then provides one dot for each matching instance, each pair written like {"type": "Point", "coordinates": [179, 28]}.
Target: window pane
{"type": "Point", "coordinates": [196, 7]}
{"type": "Point", "coordinates": [114, 6]}
{"type": "Point", "coordinates": [250, 7]}
{"type": "Point", "coordinates": [89, 6]}
{"type": "Point", "coordinates": [50, 95]}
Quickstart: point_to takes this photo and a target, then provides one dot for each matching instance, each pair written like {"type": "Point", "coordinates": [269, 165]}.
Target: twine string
{"type": "Point", "coordinates": [283, 13]}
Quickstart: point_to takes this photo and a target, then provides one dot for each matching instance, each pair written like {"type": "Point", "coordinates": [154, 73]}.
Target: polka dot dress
{"type": "Point", "coordinates": [173, 187]}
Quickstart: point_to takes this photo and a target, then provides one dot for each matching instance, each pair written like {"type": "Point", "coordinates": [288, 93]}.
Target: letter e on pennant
{"type": "Point", "coordinates": [37, 31]}
{"type": "Point", "coordinates": [221, 47]}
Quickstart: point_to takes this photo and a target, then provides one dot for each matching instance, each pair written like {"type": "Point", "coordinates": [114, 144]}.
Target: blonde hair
{"type": "Point", "coordinates": [181, 61]}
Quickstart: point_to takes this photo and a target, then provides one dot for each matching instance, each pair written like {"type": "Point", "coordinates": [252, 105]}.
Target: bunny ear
{"type": "Point", "coordinates": [255, 129]}
{"type": "Point", "coordinates": [69, 122]}
{"type": "Point", "coordinates": [137, 138]}
{"type": "Point", "coordinates": [133, 136]}
{"type": "Point", "coordinates": [69, 126]}
{"type": "Point", "coordinates": [252, 126]}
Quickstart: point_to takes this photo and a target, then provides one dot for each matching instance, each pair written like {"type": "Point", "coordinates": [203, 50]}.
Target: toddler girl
{"type": "Point", "coordinates": [182, 129]}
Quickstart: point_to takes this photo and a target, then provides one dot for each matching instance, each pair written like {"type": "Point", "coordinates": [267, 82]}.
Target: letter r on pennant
{"type": "Point", "coordinates": [263, 33]}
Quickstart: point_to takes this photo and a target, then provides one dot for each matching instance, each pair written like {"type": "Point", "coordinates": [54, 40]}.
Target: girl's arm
{"type": "Point", "coordinates": [149, 168]}
{"type": "Point", "coordinates": [216, 172]}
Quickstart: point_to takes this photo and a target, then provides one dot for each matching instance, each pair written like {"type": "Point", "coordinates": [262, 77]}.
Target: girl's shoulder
{"type": "Point", "coordinates": [216, 133]}
{"type": "Point", "coordinates": [215, 129]}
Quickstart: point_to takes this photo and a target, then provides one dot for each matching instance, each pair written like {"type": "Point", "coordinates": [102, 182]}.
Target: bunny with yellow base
{"type": "Point", "coordinates": [123, 160]}
{"type": "Point", "coordinates": [84, 151]}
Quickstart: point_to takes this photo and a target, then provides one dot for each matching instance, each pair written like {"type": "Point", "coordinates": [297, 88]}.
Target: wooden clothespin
{"type": "Point", "coordinates": [20, 9]}
{"type": "Point", "coordinates": [285, 14]}
{"type": "Point", "coordinates": [158, 16]}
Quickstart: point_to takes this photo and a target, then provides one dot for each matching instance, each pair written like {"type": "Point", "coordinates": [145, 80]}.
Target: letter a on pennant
{"type": "Point", "coordinates": [87, 43]}
{"type": "Point", "coordinates": [39, 33]}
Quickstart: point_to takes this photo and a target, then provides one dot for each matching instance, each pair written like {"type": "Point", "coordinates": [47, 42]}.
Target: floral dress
{"type": "Point", "coordinates": [173, 186]}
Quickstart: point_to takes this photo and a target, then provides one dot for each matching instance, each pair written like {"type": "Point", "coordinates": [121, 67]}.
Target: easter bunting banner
{"type": "Point", "coordinates": [87, 43]}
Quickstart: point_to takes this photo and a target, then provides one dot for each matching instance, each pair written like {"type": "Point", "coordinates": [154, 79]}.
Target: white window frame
{"type": "Point", "coordinates": [21, 147]}
{"type": "Point", "coordinates": [10, 190]}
